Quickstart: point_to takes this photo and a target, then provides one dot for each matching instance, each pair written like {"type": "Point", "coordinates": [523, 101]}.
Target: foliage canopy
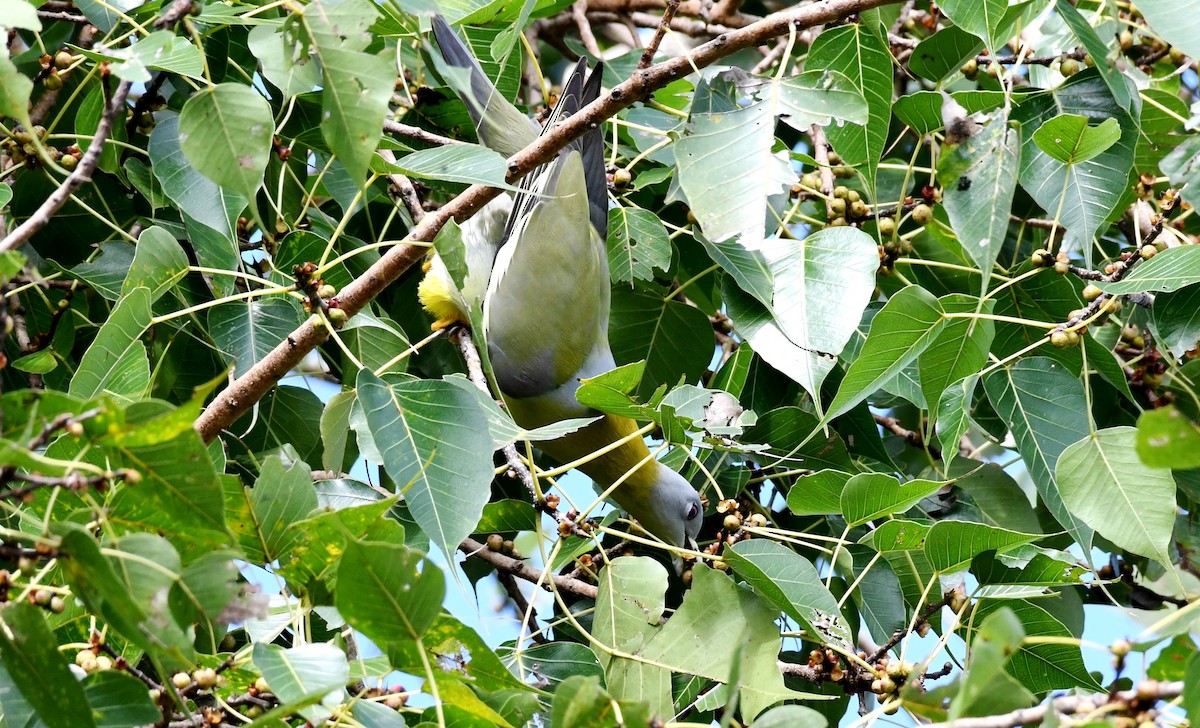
{"type": "Point", "coordinates": [910, 293]}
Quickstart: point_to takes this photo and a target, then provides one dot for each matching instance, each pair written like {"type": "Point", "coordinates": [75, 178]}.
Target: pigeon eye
{"type": "Point", "coordinates": [693, 511]}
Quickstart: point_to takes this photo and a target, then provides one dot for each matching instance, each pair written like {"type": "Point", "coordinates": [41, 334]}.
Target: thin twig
{"type": "Point", "coordinates": [579, 13]}
{"type": "Point", "coordinates": [659, 32]}
{"type": "Point", "coordinates": [509, 582]}
{"type": "Point", "coordinates": [416, 133]}
{"type": "Point", "coordinates": [898, 635]}
{"type": "Point", "coordinates": [75, 180]}
{"type": "Point", "coordinates": [518, 568]}
{"type": "Point", "coordinates": [404, 188]}
{"type": "Point", "coordinates": [821, 154]}
{"type": "Point", "coordinates": [87, 164]}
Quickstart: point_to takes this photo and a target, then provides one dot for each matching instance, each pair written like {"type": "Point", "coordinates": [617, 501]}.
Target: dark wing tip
{"type": "Point", "coordinates": [591, 146]}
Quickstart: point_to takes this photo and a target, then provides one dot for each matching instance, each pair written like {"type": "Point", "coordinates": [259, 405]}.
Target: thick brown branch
{"type": "Point", "coordinates": [240, 396]}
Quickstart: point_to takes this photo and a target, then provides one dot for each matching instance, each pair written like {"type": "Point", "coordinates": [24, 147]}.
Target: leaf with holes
{"type": "Point", "coordinates": [637, 244]}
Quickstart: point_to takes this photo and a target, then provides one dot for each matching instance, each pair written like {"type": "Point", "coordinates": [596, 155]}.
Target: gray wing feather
{"type": "Point", "coordinates": [500, 125]}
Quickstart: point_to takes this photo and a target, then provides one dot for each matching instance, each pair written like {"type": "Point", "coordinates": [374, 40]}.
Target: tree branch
{"type": "Point", "coordinates": [668, 13]}
{"type": "Point", "coordinates": [78, 178]}
{"type": "Point", "coordinates": [518, 568]}
{"type": "Point", "coordinates": [87, 164]}
{"type": "Point", "coordinates": [1065, 706]}
{"type": "Point", "coordinates": [416, 133]}
{"type": "Point", "coordinates": [248, 389]}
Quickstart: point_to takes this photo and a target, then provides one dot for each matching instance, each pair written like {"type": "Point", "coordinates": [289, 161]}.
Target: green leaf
{"type": "Point", "coordinates": [863, 57]}
{"type": "Point", "coordinates": [960, 350]}
{"type": "Point", "coordinates": [730, 199]}
{"type": "Point", "coordinates": [1176, 319]}
{"type": "Point", "coordinates": [551, 663]}
{"type": "Point", "coordinates": [818, 494]}
{"type": "Point", "coordinates": [1166, 438]}
{"type": "Point", "coordinates": [997, 638]}
{"type": "Point", "coordinates": [39, 362]}
{"type": "Point", "coordinates": [280, 497]}
{"type": "Point", "coordinates": [226, 133]}
{"type": "Point", "coordinates": [39, 672]}
{"type": "Point", "coordinates": [673, 338]}
{"type": "Point", "coordinates": [113, 594]}
{"type": "Point", "coordinates": [448, 637]}
{"type": "Point", "coordinates": [1069, 139]}
{"type": "Point", "coordinates": [868, 496]}
{"type": "Point", "coordinates": [907, 324]}
{"type": "Point", "coordinates": [747, 267]}
{"type": "Point", "coordinates": [375, 341]}
{"type": "Point", "coordinates": [321, 539]}
{"type": "Point", "coordinates": [791, 716]}
{"type": "Point", "coordinates": [161, 50]}
{"type": "Point", "coordinates": [1191, 685]}
{"type": "Point", "coordinates": [116, 362]}
{"type": "Point", "coordinates": [953, 415]}
{"type": "Point", "coordinates": [434, 443]}
{"type": "Point", "coordinates": [1042, 570]}
{"type": "Point", "coordinates": [303, 676]}
{"type": "Point", "coordinates": [922, 110]}
{"type": "Point", "coordinates": [902, 543]}
{"type": "Point", "coordinates": [878, 596]}
{"type": "Point", "coordinates": [637, 244]}
{"type": "Point", "coordinates": [119, 700]}
{"type": "Point", "coordinates": [1042, 426]}
{"type": "Point", "coordinates": [286, 61]}
{"type": "Point", "coordinates": [1089, 192]}
{"type": "Point", "coordinates": [1105, 484]}
{"type": "Point", "coordinates": [289, 416]}
{"type": "Point", "coordinates": [388, 592]}
{"type": "Point", "coordinates": [179, 485]}
{"type": "Point", "coordinates": [158, 263]}
{"type": "Point", "coordinates": [715, 603]}
{"type": "Point", "coordinates": [979, 179]}
{"type": "Point", "coordinates": [629, 605]}
{"type": "Point", "coordinates": [1176, 21]}
{"type": "Point", "coordinates": [1170, 270]}
{"type": "Point", "coordinates": [788, 431]}
{"type": "Point", "coordinates": [1098, 49]}
{"type": "Point", "coordinates": [1041, 666]}
{"type": "Point", "coordinates": [19, 14]}
{"type": "Point", "coordinates": [819, 288]}
{"type": "Point", "coordinates": [107, 272]}
{"type": "Point", "coordinates": [951, 544]}
{"type": "Point", "coordinates": [357, 85]}
{"type": "Point", "coordinates": [793, 585]}
{"type": "Point", "coordinates": [198, 196]}
{"type": "Point", "coordinates": [466, 163]}
{"type": "Point", "coordinates": [15, 89]}
{"type": "Point", "coordinates": [981, 18]}
{"type": "Point", "coordinates": [938, 56]}
{"type": "Point", "coordinates": [580, 702]}
{"type": "Point", "coordinates": [246, 331]}
{"type": "Point", "coordinates": [816, 97]}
